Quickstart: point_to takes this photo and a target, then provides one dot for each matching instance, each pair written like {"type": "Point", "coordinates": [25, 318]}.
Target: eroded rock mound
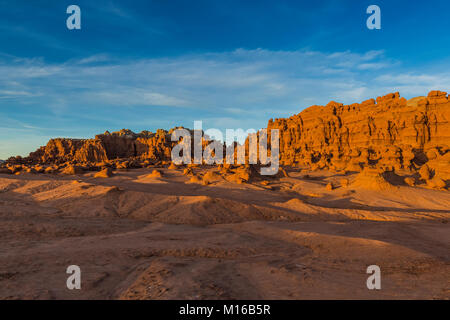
{"type": "Point", "coordinates": [105, 173]}
{"type": "Point", "coordinates": [372, 179]}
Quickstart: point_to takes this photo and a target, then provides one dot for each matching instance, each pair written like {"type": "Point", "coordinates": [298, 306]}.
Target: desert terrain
{"type": "Point", "coordinates": [359, 185]}
{"type": "Point", "coordinates": [141, 237]}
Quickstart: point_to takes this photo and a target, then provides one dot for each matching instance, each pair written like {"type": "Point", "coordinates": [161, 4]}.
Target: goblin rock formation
{"type": "Point", "coordinates": [107, 146]}
{"type": "Point", "coordinates": [389, 132]}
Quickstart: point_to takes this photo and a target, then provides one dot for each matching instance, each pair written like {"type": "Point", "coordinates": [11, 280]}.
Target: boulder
{"type": "Point", "coordinates": [72, 170]}
{"type": "Point", "coordinates": [105, 173]}
{"type": "Point", "coordinates": [410, 181]}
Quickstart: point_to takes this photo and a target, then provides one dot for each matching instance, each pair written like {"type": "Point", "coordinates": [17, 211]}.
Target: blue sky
{"type": "Point", "coordinates": [145, 65]}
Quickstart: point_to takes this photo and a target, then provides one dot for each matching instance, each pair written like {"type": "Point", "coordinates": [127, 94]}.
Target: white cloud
{"type": "Point", "coordinates": [11, 94]}
{"type": "Point", "coordinates": [94, 59]}
{"type": "Point", "coordinates": [258, 81]}
{"type": "Point", "coordinates": [131, 96]}
{"type": "Point", "coordinates": [415, 84]}
{"type": "Point", "coordinates": [236, 89]}
{"type": "Point", "coordinates": [373, 66]}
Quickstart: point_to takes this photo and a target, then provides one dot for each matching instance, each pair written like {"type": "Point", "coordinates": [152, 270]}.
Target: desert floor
{"type": "Point", "coordinates": [141, 237]}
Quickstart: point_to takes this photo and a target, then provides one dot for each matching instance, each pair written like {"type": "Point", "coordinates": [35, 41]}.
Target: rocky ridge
{"type": "Point", "coordinates": [388, 134]}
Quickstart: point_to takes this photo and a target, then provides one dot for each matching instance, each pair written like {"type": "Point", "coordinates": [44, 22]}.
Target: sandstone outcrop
{"type": "Point", "coordinates": [72, 170]}
{"type": "Point", "coordinates": [155, 174]}
{"type": "Point", "coordinates": [105, 173]}
{"type": "Point", "coordinates": [388, 133]}
{"type": "Point", "coordinates": [123, 144]}
{"type": "Point", "coordinates": [372, 179]}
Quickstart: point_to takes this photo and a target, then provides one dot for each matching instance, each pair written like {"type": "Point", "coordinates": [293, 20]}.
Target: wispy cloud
{"type": "Point", "coordinates": [131, 96]}
{"type": "Point", "coordinates": [241, 78]}
{"type": "Point", "coordinates": [252, 80]}
{"type": "Point", "coordinates": [94, 59]}
{"type": "Point", "coordinates": [11, 94]}
{"type": "Point", "coordinates": [413, 84]}
{"type": "Point", "coordinates": [240, 87]}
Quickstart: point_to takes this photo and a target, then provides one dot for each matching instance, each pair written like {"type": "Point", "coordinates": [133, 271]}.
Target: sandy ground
{"type": "Point", "coordinates": [138, 237]}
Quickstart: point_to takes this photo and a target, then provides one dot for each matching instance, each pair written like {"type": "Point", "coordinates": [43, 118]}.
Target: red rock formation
{"type": "Point", "coordinates": [391, 131]}
{"type": "Point", "coordinates": [107, 146]}
{"type": "Point", "coordinates": [77, 150]}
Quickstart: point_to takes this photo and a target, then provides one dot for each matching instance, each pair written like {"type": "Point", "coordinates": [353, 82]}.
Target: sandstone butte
{"type": "Point", "coordinates": [389, 133]}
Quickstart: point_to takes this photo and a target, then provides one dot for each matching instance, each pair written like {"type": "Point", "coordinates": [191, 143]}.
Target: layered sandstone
{"type": "Point", "coordinates": [389, 132]}
{"type": "Point", "coordinates": [105, 147]}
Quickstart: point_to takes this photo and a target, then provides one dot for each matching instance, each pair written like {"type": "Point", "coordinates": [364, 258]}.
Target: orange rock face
{"type": "Point", "coordinates": [62, 150]}
{"type": "Point", "coordinates": [107, 146]}
{"type": "Point", "coordinates": [390, 131]}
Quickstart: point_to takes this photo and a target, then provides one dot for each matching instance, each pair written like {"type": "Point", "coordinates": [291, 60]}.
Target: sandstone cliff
{"type": "Point", "coordinates": [389, 132]}
{"type": "Point", "coordinates": [107, 146]}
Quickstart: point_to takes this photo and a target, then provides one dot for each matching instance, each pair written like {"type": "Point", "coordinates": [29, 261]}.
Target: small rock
{"type": "Point", "coordinates": [410, 181]}
{"type": "Point", "coordinates": [436, 183]}
{"type": "Point", "coordinates": [344, 182]}
{"type": "Point", "coordinates": [424, 172]}
{"type": "Point", "coordinates": [105, 173]}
